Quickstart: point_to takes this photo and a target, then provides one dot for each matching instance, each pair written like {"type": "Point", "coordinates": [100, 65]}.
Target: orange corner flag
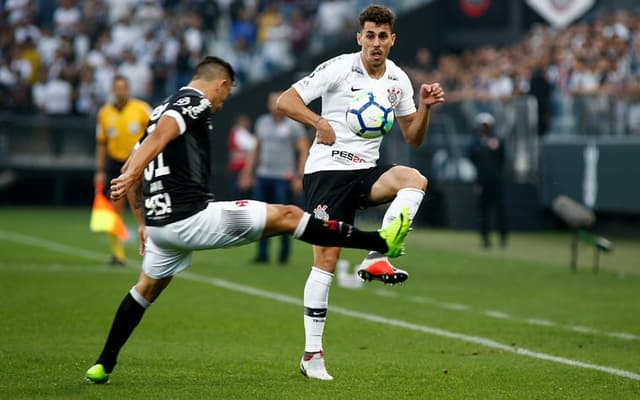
{"type": "Point", "coordinates": [104, 217]}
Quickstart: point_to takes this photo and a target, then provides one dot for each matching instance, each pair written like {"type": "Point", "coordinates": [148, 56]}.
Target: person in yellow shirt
{"type": "Point", "coordinates": [119, 126]}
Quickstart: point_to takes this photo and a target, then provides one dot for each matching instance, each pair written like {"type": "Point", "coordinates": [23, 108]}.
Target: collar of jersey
{"type": "Point", "coordinates": [192, 88]}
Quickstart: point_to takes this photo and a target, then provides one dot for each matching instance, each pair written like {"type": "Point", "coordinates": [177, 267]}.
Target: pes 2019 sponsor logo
{"type": "Point", "coordinates": [348, 156]}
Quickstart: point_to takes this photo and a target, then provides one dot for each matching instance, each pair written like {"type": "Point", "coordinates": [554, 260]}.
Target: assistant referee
{"type": "Point", "coordinates": [120, 124]}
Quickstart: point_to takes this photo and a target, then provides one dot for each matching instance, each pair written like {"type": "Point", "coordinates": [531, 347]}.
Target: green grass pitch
{"type": "Point", "coordinates": [469, 324]}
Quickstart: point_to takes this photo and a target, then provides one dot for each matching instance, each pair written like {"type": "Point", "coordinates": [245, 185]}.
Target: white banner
{"type": "Point", "coordinates": [560, 13]}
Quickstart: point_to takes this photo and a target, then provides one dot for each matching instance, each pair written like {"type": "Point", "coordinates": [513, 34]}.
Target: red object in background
{"type": "Point", "coordinates": [474, 8]}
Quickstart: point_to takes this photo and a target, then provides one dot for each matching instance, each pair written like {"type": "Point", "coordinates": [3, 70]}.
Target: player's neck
{"type": "Point", "coordinates": [373, 71]}
{"type": "Point", "coordinates": [119, 105]}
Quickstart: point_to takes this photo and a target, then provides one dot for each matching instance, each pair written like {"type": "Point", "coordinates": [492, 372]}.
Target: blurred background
{"type": "Point", "coordinates": [560, 78]}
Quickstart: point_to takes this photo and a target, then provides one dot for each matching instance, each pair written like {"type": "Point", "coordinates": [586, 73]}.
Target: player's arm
{"type": "Point", "coordinates": [166, 130]}
{"type": "Point", "coordinates": [136, 202]}
{"type": "Point", "coordinates": [414, 126]}
{"type": "Point", "coordinates": [302, 147]}
{"type": "Point", "coordinates": [101, 154]}
{"type": "Point", "coordinates": [246, 175]}
{"type": "Point", "coordinates": [291, 104]}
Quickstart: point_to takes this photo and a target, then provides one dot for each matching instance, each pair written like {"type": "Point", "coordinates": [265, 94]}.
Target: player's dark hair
{"type": "Point", "coordinates": [377, 14]}
{"type": "Point", "coordinates": [212, 67]}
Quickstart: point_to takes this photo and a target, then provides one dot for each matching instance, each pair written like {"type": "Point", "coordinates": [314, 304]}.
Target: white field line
{"type": "Point", "coordinates": [249, 290]}
{"type": "Point", "coordinates": [508, 317]}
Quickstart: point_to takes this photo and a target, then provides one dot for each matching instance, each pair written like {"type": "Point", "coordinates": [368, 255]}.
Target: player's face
{"type": "Point", "coordinates": [222, 92]}
{"type": "Point", "coordinates": [376, 42]}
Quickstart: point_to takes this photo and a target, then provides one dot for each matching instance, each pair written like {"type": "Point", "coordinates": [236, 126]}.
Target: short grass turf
{"type": "Point", "coordinates": [228, 329]}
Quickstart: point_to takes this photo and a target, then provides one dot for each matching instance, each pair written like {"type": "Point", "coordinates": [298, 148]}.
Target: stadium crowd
{"type": "Point", "coordinates": [70, 49]}
{"type": "Point", "coordinates": [572, 71]}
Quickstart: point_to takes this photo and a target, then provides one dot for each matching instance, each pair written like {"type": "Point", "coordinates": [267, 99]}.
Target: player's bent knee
{"type": "Point", "coordinates": [414, 179]}
{"type": "Point", "coordinates": [283, 218]}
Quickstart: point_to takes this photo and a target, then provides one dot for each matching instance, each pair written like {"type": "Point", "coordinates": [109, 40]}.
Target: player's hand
{"type": "Point", "coordinates": [142, 238]}
{"type": "Point", "coordinates": [325, 133]}
{"type": "Point", "coordinates": [121, 185]}
{"type": "Point", "coordinates": [431, 93]}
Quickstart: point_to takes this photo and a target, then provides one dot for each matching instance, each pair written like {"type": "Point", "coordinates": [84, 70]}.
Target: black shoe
{"type": "Point", "coordinates": [115, 262]}
{"type": "Point", "coordinates": [260, 260]}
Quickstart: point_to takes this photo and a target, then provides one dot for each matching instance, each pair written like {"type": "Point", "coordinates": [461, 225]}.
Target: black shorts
{"type": "Point", "coordinates": [338, 194]}
{"type": "Point", "coordinates": [112, 170]}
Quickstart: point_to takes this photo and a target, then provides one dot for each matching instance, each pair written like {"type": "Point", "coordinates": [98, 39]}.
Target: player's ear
{"type": "Point", "coordinates": [393, 39]}
{"type": "Point", "coordinates": [358, 36]}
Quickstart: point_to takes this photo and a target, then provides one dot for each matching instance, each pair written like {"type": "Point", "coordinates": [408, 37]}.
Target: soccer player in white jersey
{"type": "Point", "coordinates": [341, 174]}
{"type": "Point", "coordinates": [167, 177]}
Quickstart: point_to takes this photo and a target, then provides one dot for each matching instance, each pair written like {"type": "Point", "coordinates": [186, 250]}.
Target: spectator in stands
{"type": "Point", "coordinates": [66, 17]}
{"type": "Point", "coordinates": [333, 17]}
{"type": "Point", "coordinates": [138, 74]}
{"type": "Point", "coordinates": [486, 151]}
{"type": "Point", "coordinates": [300, 31]}
{"type": "Point", "coordinates": [119, 126]}
{"type": "Point", "coordinates": [86, 94]}
{"type": "Point", "coordinates": [276, 48]}
{"type": "Point", "coordinates": [243, 28]}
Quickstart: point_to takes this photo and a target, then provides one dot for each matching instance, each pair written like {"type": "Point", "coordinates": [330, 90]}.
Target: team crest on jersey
{"type": "Point", "coordinates": [182, 101]}
{"type": "Point", "coordinates": [321, 213]}
{"type": "Point", "coordinates": [393, 94]}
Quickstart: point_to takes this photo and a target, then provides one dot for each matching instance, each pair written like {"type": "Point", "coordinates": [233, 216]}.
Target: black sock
{"type": "Point", "coordinates": [127, 318]}
{"type": "Point", "coordinates": [340, 234]}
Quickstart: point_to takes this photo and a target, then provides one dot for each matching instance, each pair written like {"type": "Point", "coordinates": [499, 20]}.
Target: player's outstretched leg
{"type": "Point", "coordinates": [388, 240]}
{"type": "Point", "coordinates": [375, 267]}
{"type": "Point", "coordinates": [127, 317]}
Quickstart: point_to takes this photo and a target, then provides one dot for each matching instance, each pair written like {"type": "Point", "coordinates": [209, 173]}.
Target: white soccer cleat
{"type": "Point", "coordinates": [380, 269]}
{"type": "Point", "coordinates": [312, 366]}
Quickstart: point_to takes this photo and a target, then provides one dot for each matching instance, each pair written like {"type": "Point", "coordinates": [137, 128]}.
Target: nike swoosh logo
{"type": "Point", "coordinates": [355, 89]}
{"type": "Point", "coordinates": [317, 313]}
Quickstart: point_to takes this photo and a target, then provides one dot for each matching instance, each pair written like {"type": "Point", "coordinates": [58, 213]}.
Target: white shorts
{"type": "Point", "coordinates": [222, 224]}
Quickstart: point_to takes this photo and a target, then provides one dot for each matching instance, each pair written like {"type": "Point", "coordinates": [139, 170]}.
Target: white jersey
{"type": "Point", "coordinates": [338, 81]}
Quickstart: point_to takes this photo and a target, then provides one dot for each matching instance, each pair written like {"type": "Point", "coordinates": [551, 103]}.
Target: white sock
{"type": "Point", "coordinates": [316, 301]}
{"type": "Point", "coordinates": [407, 197]}
{"type": "Point", "coordinates": [138, 298]}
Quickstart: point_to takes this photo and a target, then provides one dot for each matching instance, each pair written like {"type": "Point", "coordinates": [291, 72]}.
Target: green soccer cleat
{"type": "Point", "coordinates": [395, 232]}
{"type": "Point", "coordinates": [97, 374]}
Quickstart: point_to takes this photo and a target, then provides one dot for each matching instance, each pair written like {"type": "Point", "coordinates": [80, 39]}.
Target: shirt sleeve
{"type": "Point", "coordinates": [189, 111]}
{"type": "Point", "coordinates": [320, 80]}
{"type": "Point", "coordinates": [407, 105]}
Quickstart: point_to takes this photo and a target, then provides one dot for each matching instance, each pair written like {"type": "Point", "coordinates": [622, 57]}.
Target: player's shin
{"type": "Point", "coordinates": [316, 297]}
{"type": "Point", "coordinates": [127, 317]}
{"type": "Point", "coordinates": [408, 197]}
{"type": "Point", "coordinates": [337, 234]}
